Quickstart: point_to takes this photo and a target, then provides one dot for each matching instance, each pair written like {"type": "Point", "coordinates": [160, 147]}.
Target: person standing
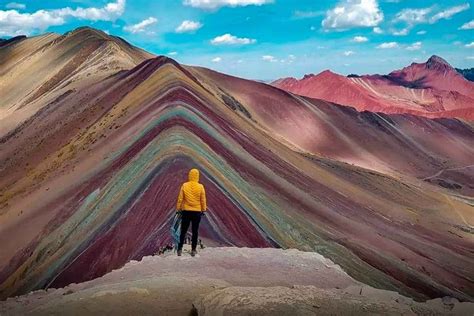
{"type": "Point", "coordinates": [192, 205]}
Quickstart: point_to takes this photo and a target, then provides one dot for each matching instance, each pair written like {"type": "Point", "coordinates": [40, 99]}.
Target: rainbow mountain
{"type": "Point", "coordinates": [96, 136]}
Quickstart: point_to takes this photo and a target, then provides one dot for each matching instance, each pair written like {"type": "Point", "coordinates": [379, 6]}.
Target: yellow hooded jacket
{"type": "Point", "coordinates": [192, 196]}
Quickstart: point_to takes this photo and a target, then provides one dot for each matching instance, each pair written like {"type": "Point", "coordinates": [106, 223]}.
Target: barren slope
{"type": "Point", "coordinates": [96, 185]}
{"type": "Point", "coordinates": [439, 151]}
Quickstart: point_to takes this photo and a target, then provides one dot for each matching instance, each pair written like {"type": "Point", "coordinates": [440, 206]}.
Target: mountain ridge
{"type": "Point", "coordinates": [81, 180]}
{"type": "Point", "coordinates": [432, 89]}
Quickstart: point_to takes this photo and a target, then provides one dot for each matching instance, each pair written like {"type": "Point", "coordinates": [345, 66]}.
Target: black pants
{"type": "Point", "coordinates": [188, 217]}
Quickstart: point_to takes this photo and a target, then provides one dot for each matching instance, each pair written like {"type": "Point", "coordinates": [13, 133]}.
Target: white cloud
{"type": "Point", "coordinates": [269, 58]}
{"type": "Point", "coordinates": [422, 32]}
{"type": "Point", "coordinates": [353, 13]}
{"type": "Point", "coordinates": [402, 32]}
{"type": "Point", "coordinates": [172, 53]}
{"type": "Point", "coordinates": [467, 26]}
{"type": "Point", "coordinates": [413, 16]}
{"type": "Point", "coordinates": [377, 30]}
{"type": "Point", "coordinates": [110, 12]}
{"type": "Point", "coordinates": [216, 60]}
{"type": "Point", "coordinates": [388, 45]}
{"type": "Point", "coordinates": [15, 5]}
{"type": "Point", "coordinates": [348, 53]}
{"type": "Point", "coordinates": [141, 26]}
{"type": "Point", "coordinates": [359, 39]}
{"type": "Point", "coordinates": [448, 13]}
{"type": "Point", "coordinates": [228, 39]}
{"type": "Point", "coordinates": [13, 22]}
{"type": "Point", "coordinates": [215, 4]}
{"type": "Point", "coordinates": [470, 57]}
{"type": "Point", "coordinates": [188, 26]}
{"type": "Point", "coordinates": [312, 28]}
{"type": "Point", "coordinates": [291, 58]}
{"type": "Point", "coordinates": [470, 45]}
{"type": "Point", "coordinates": [414, 46]}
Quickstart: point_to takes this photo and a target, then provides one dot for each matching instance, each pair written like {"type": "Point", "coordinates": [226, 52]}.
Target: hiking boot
{"type": "Point", "coordinates": [179, 252]}
{"type": "Point", "coordinates": [193, 252]}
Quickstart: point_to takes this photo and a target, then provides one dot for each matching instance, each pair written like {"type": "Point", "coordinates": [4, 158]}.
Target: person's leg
{"type": "Point", "coordinates": [185, 220]}
{"type": "Point", "coordinates": [195, 228]}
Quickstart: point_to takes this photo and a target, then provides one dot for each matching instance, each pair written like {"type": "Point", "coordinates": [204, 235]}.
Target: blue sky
{"type": "Point", "coordinates": [267, 39]}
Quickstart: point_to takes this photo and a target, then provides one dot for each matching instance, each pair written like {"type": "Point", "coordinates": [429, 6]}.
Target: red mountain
{"type": "Point", "coordinates": [432, 89]}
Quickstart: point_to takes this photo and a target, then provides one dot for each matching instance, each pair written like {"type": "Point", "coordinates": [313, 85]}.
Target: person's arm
{"type": "Point", "coordinates": [203, 200]}
{"type": "Point", "coordinates": [179, 204]}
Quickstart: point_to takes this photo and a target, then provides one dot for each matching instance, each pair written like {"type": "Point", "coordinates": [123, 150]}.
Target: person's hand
{"type": "Point", "coordinates": [203, 213]}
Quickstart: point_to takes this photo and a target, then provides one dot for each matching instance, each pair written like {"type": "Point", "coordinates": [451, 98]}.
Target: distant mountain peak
{"type": "Point", "coordinates": [437, 63]}
{"type": "Point", "coordinates": [326, 71]}
{"type": "Point", "coordinates": [5, 41]}
{"type": "Point", "coordinates": [87, 31]}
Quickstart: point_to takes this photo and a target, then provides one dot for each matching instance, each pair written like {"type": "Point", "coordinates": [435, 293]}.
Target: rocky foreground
{"type": "Point", "coordinates": [227, 281]}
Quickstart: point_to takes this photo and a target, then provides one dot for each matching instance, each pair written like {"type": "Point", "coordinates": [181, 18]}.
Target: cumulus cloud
{"type": "Point", "coordinates": [359, 39]}
{"type": "Point", "coordinates": [15, 5]}
{"type": "Point", "coordinates": [13, 22]}
{"type": "Point", "coordinates": [377, 30]}
{"type": "Point", "coordinates": [470, 45]}
{"type": "Point", "coordinates": [215, 4]}
{"type": "Point", "coordinates": [388, 45]}
{"type": "Point", "coordinates": [216, 60]}
{"type": "Point", "coordinates": [348, 53]}
{"type": "Point", "coordinates": [110, 12]}
{"type": "Point", "coordinates": [229, 39]}
{"type": "Point", "coordinates": [269, 58]}
{"type": "Point", "coordinates": [172, 53]}
{"type": "Point", "coordinates": [422, 32]}
{"type": "Point", "coordinates": [402, 32]}
{"type": "Point", "coordinates": [141, 27]}
{"type": "Point", "coordinates": [414, 46]}
{"type": "Point", "coordinates": [448, 13]}
{"type": "Point", "coordinates": [413, 17]}
{"type": "Point", "coordinates": [353, 13]}
{"type": "Point", "coordinates": [467, 26]}
{"type": "Point", "coordinates": [188, 26]}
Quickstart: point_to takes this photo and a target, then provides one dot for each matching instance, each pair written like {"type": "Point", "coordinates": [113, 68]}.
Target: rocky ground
{"type": "Point", "coordinates": [227, 281]}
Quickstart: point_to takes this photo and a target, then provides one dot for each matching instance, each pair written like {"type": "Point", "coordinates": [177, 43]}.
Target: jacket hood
{"type": "Point", "coordinates": [193, 175]}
